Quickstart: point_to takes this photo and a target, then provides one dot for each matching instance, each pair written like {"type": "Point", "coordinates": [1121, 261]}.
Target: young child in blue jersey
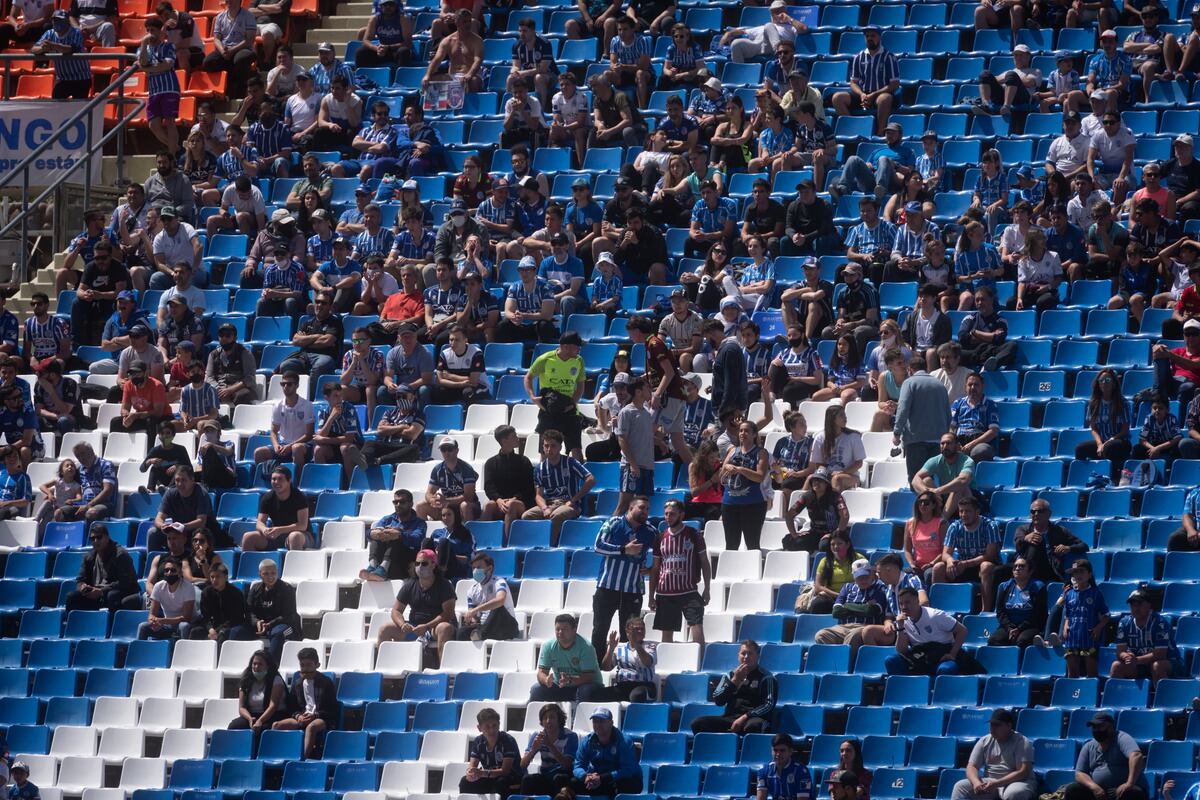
{"type": "Point", "coordinates": [22, 788]}
{"type": "Point", "coordinates": [1085, 613]}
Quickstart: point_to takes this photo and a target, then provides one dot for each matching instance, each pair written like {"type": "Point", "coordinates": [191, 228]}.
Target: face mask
{"type": "Point", "coordinates": [259, 674]}
{"type": "Point", "coordinates": [795, 342]}
{"type": "Point", "coordinates": [1101, 736]}
{"type": "Point", "coordinates": [425, 571]}
{"type": "Point", "coordinates": [479, 575]}
{"type": "Point", "coordinates": [198, 379]}
{"type": "Point", "coordinates": [459, 220]}
{"type": "Point", "coordinates": [171, 579]}
{"type": "Point", "coordinates": [138, 380]}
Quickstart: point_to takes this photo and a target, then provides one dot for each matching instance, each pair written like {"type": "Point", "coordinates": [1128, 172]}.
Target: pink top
{"type": "Point", "coordinates": [927, 541]}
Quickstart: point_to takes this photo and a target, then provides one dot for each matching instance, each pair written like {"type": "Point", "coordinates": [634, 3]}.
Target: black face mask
{"type": "Point", "coordinates": [198, 379]}
{"type": "Point", "coordinates": [795, 342]}
{"type": "Point", "coordinates": [138, 380]}
{"type": "Point", "coordinates": [1101, 735]}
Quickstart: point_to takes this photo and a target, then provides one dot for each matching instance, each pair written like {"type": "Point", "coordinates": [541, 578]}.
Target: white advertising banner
{"type": "Point", "coordinates": [25, 126]}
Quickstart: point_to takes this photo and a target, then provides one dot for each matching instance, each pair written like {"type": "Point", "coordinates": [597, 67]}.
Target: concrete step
{"type": "Point", "coordinates": [346, 29]}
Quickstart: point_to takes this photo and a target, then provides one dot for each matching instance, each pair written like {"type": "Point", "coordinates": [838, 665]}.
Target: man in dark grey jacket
{"type": "Point", "coordinates": [107, 578]}
{"type": "Point", "coordinates": [922, 416]}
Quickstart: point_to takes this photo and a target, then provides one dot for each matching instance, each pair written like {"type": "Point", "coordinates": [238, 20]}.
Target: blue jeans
{"type": "Point", "coordinates": [857, 175]}
{"type": "Point", "coordinates": [567, 307]}
{"type": "Point", "coordinates": [162, 281]}
{"type": "Point", "coordinates": [179, 631]}
{"type": "Point", "coordinates": [276, 636]}
{"type": "Point", "coordinates": [898, 665]}
{"type": "Point", "coordinates": [313, 364]}
{"type": "Point", "coordinates": [1166, 383]}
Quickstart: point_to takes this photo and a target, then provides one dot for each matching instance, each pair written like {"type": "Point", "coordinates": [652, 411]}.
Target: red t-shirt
{"type": "Point", "coordinates": [151, 396]}
{"type": "Point", "coordinates": [1181, 372]}
{"type": "Point", "coordinates": [403, 306]}
{"type": "Point", "coordinates": [1188, 304]}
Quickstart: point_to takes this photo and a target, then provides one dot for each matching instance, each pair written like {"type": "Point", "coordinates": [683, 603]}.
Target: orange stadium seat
{"type": "Point", "coordinates": [34, 87]}
{"type": "Point", "coordinates": [132, 31]}
{"type": "Point", "coordinates": [206, 85]}
{"type": "Point", "coordinates": [105, 66]}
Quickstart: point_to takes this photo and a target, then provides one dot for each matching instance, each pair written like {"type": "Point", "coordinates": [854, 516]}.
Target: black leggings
{"type": "Point", "coordinates": [1025, 637]}
{"type": "Point", "coordinates": [791, 391]}
{"type": "Point", "coordinates": [723, 724]}
{"type": "Point", "coordinates": [743, 519]}
{"type": "Point", "coordinates": [1117, 451]}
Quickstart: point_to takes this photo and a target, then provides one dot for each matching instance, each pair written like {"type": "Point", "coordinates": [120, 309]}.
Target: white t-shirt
{"type": "Point", "coordinates": [956, 384]}
{"type": "Point", "coordinates": [1092, 124]}
{"type": "Point", "coordinates": [34, 10]}
{"type": "Point", "coordinates": [194, 297]}
{"type": "Point", "coordinates": [1079, 212]}
{"type": "Point", "coordinates": [1110, 150]}
{"type": "Point", "coordinates": [1044, 270]}
{"type": "Point", "coordinates": [846, 450]}
{"type": "Point", "coordinates": [293, 421]}
{"type": "Point", "coordinates": [286, 83]}
{"type": "Point", "coordinates": [480, 593]}
{"type": "Point", "coordinates": [170, 602]}
{"type": "Point", "coordinates": [303, 112]}
{"type": "Point", "coordinates": [1012, 240]}
{"type": "Point", "coordinates": [569, 109]}
{"type": "Point", "coordinates": [178, 247]}
{"type": "Point", "coordinates": [1068, 154]}
{"type": "Point", "coordinates": [231, 200]}
{"type": "Point", "coordinates": [934, 625]}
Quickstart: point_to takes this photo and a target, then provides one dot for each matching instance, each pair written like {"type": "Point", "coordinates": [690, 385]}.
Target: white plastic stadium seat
{"type": "Point", "coordinates": [153, 683]}
{"type": "Point", "coordinates": [160, 714]}
{"type": "Point", "coordinates": [714, 536]}
{"type": "Point", "coordinates": [439, 748]}
{"type": "Point", "coordinates": [676, 657]}
{"type": "Point", "coordinates": [196, 686]}
{"type": "Point", "coordinates": [190, 654]}
{"type": "Point", "coordinates": [376, 595]}
{"type": "Point", "coordinates": [464, 657]}
{"type": "Point", "coordinates": [289, 663]}
{"type": "Point", "coordinates": [785, 567]}
{"type": "Point", "coordinates": [342, 535]}
{"type": "Point", "coordinates": [863, 504]}
{"type": "Point", "coordinates": [483, 419]}
{"type": "Point", "coordinates": [515, 686]}
{"type": "Point", "coordinates": [453, 774]}
{"type": "Point", "coordinates": [351, 656]}
{"type": "Point", "coordinates": [183, 743]}
{"type": "Point", "coordinates": [17, 533]}
{"type": "Point", "coordinates": [218, 713]}
{"type": "Point", "coordinates": [235, 656]}
{"type": "Point", "coordinates": [98, 794]}
{"type": "Point", "coordinates": [342, 626]}
{"type": "Point", "coordinates": [314, 598]}
{"type": "Point", "coordinates": [860, 415]}
{"type": "Point", "coordinates": [512, 656]}
{"type": "Point", "coordinates": [125, 447]}
{"type": "Point", "coordinates": [889, 475]}
{"type": "Point", "coordinates": [739, 565]}
{"type": "Point", "coordinates": [249, 419]}
{"type": "Point", "coordinates": [579, 595]}
{"type": "Point", "coordinates": [402, 778]}
{"type": "Point", "coordinates": [118, 744]}
{"type": "Point", "coordinates": [583, 715]}
{"type": "Point", "coordinates": [73, 740]}
{"type": "Point", "coordinates": [304, 565]}
{"type": "Point", "coordinates": [143, 773]}
{"type": "Point", "coordinates": [377, 505]}
{"type": "Point", "coordinates": [115, 712]}
{"type": "Point", "coordinates": [878, 446]}
{"type": "Point", "coordinates": [717, 628]}
{"type": "Point", "coordinates": [414, 477]}
{"type": "Point", "coordinates": [130, 476]}
{"type": "Point", "coordinates": [749, 598]}
{"type": "Point", "coordinates": [344, 565]}
{"type": "Point", "coordinates": [533, 710]}
{"type": "Point", "coordinates": [524, 418]}
{"type": "Point", "coordinates": [395, 659]}
{"type": "Point", "coordinates": [540, 594]}
{"type": "Point", "coordinates": [76, 773]}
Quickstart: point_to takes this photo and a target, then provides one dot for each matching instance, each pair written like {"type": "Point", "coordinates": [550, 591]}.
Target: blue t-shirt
{"type": "Point", "coordinates": [1082, 611]}
{"type": "Point", "coordinates": [793, 782]}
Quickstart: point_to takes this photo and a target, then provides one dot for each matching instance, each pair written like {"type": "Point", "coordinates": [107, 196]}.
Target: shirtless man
{"type": "Point", "coordinates": [463, 49]}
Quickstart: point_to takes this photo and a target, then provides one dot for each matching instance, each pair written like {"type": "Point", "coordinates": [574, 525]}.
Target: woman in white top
{"type": "Point", "coordinates": [262, 696]}
{"type": "Point", "coordinates": [1038, 274]}
{"type": "Point", "coordinates": [1012, 241]}
{"type": "Point", "coordinates": [172, 604]}
{"type": "Point", "coordinates": [839, 449]}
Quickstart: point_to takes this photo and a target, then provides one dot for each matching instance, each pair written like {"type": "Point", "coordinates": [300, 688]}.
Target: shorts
{"type": "Point", "coordinates": [163, 106]}
{"type": "Point", "coordinates": [673, 609]}
{"type": "Point", "coordinates": [1178, 670]}
{"type": "Point", "coordinates": [270, 28]}
{"type": "Point", "coordinates": [970, 575]}
{"type": "Point", "coordinates": [670, 416]}
{"type": "Point", "coordinates": [643, 484]}
{"type": "Point", "coordinates": [1082, 652]}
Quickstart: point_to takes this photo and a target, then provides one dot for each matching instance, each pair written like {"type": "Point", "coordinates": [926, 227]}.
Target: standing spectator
{"type": "Point", "coordinates": [493, 759]}
{"type": "Point", "coordinates": [560, 484]}
{"type": "Point", "coordinates": [561, 376]}
{"type": "Point", "coordinates": [509, 480]}
{"type": "Point", "coordinates": [634, 429]}
{"type": "Point", "coordinates": [72, 76]}
{"type": "Point", "coordinates": [680, 562]}
{"type": "Point", "coordinates": [567, 668]}
{"type": "Point", "coordinates": [922, 416]}
{"type": "Point", "coordinates": [394, 541]}
{"type": "Point", "coordinates": [972, 551]}
{"type": "Point", "coordinates": [282, 517]}
{"type": "Point", "coordinates": [107, 578]}
{"type": "Point", "coordinates": [748, 694]}
{"type": "Point", "coordinates": [1085, 616]}
{"type": "Point", "coordinates": [157, 58]}
{"type": "Point", "coordinates": [1145, 644]}
{"type": "Point", "coordinates": [928, 640]}
{"type": "Point", "coordinates": [1111, 763]}
{"type": "Point", "coordinates": [312, 703]}
{"type": "Point", "coordinates": [729, 387]}
{"type": "Point", "coordinates": [1001, 764]}
{"type": "Point", "coordinates": [234, 33]}
{"type": "Point", "coordinates": [1020, 608]}
{"type": "Point", "coordinates": [489, 613]}
{"type": "Point", "coordinates": [624, 543]}
{"type": "Point", "coordinates": [744, 505]}
{"type": "Point", "coordinates": [272, 604]}
{"type": "Point", "coordinates": [950, 475]}
{"type": "Point", "coordinates": [1109, 416]}
{"type": "Point", "coordinates": [429, 599]}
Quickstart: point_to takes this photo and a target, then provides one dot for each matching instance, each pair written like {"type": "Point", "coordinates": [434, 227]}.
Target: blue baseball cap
{"type": "Point", "coordinates": [602, 713]}
{"type": "Point", "coordinates": [363, 188]}
{"type": "Point", "coordinates": [912, 207]}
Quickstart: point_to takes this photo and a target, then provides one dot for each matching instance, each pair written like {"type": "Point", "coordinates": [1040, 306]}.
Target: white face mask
{"type": "Point", "coordinates": [459, 220]}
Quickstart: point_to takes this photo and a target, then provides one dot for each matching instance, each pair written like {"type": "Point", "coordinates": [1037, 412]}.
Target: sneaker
{"type": "Point", "coordinates": [835, 193]}
{"type": "Point", "coordinates": [1038, 641]}
{"type": "Point", "coordinates": [978, 107]}
{"type": "Point", "coordinates": [881, 193]}
{"type": "Point", "coordinates": [1006, 112]}
{"type": "Point", "coordinates": [1054, 640]}
{"type": "Point", "coordinates": [991, 365]}
{"type": "Point", "coordinates": [374, 574]}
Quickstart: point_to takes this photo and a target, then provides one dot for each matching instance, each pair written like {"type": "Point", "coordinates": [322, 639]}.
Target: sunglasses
{"type": "Point", "coordinates": [289, 383]}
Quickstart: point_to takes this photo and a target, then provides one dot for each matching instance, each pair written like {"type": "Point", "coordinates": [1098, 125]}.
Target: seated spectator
{"type": "Point", "coordinates": [223, 614]}
{"type": "Point", "coordinates": [216, 456]}
{"type": "Point", "coordinates": [453, 543]}
{"type": "Point", "coordinates": [567, 666]}
{"type": "Point", "coordinates": [927, 328]}
{"type": "Point", "coordinates": [461, 53]}
{"type": "Point", "coordinates": [977, 264]}
{"type": "Point", "coordinates": [176, 548]}
{"type": "Point", "coordinates": [107, 578]}
{"type": "Point", "coordinates": [198, 401]}
{"type": "Point", "coordinates": [283, 287]}
{"type": "Point", "coordinates": [952, 374]}
{"type": "Point", "coordinates": [857, 310]}
{"type": "Point", "coordinates": [556, 745]}
{"type": "Point", "coordinates": [833, 570]}
{"type": "Point", "coordinates": [528, 307]}
{"type": "Point", "coordinates": [827, 514]}
{"type": "Point", "coordinates": [340, 275]}
{"type": "Point", "coordinates": [784, 778]}
{"type": "Point", "coordinates": [846, 376]}
{"type": "Point", "coordinates": [394, 541]}
{"type": "Point", "coordinates": [262, 695]}
{"type": "Point", "coordinates": [1047, 547]}
{"type": "Point", "coordinates": [429, 599]}
{"type": "Point", "coordinates": [839, 449]}
{"type": "Point", "coordinates": [1039, 272]}
{"type": "Point", "coordinates": [975, 421]}
{"type": "Point", "coordinates": [489, 613]}
{"type": "Point", "coordinates": [925, 535]}
{"type": "Point", "coordinates": [98, 479]}
{"type": "Point", "coordinates": [1145, 644]}
{"type": "Point", "coordinates": [950, 475]}
{"type": "Point", "coordinates": [508, 480]}
{"type": "Point", "coordinates": [972, 551]}
{"type": "Point", "coordinates": [1161, 434]}
{"type": "Point", "coordinates": [82, 249]}
{"type": "Point", "coordinates": [1177, 369]}
{"type": "Point", "coordinates": [861, 602]}
{"type": "Point", "coordinates": [1111, 763]}
{"type": "Point", "coordinates": [607, 763]}
{"type": "Point", "coordinates": [983, 332]}
{"type": "Point", "coordinates": [312, 704]}
{"type": "Point", "coordinates": [1020, 608]}
{"type": "Point", "coordinates": [272, 604]}
{"type": "Point", "coordinates": [493, 759]}
{"type": "Point", "coordinates": [103, 279]}
{"type": "Point", "coordinates": [928, 640]}
{"type": "Point", "coordinates": [62, 491]}
{"type": "Point", "coordinates": [523, 117]}
{"type": "Point", "coordinates": [1000, 764]}
{"type": "Point", "coordinates": [450, 482]}
{"type": "Point", "coordinates": [747, 693]}
{"type": "Point", "coordinates": [387, 40]}
{"type": "Point", "coordinates": [282, 517]}
{"type": "Point", "coordinates": [1109, 416]}
{"type": "Point", "coordinates": [172, 605]}
{"type": "Point", "coordinates": [560, 482]}
{"type": "Point", "coordinates": [186, 504]}
{"type": "Point", "coordinates": [634, 661]}
{"type": "Point", "coordinates": [880, 175]}
{"type": "Point", "coordinates": [231, 368]}
{"type": "Point", "coordinates": [337, 434]}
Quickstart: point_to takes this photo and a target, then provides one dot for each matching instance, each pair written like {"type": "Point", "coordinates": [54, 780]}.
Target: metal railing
{"type": "Point", "coordinates": [22, 170]}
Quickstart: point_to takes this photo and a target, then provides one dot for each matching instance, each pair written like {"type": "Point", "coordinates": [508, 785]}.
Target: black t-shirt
{"type": "Point", "coordinates": [185, 509]}
{"type": "Point", "coordinates": [283, 512]}
{"type": "Point", "coordinates": [764, 222]}
{"type": "Point", "coordinates": [506, 747]}
{"type": "Point", "coordinates": [103, 280]}
{"type": "Point", "coordinates": [1179, 179]}
{"type": "Point", "coordinates": [424, 604]}
{"type": "Point", "coordinates": [332, 325]}
{"type": "Point", "coordinates": [171, 456]}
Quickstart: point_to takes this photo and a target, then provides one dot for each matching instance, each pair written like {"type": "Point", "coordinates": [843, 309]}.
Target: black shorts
{"type": "Point", "coordinates": [672, 610]}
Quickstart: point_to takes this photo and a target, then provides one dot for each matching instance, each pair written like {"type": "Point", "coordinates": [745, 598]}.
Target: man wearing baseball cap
{"type": "Point", "coordinates": [874, 81]}
{"type": "Point", "coordinates": [1000, 766]}
{"type": "Point", "coordinates": [748, 44]}
{"type": "Point", "coordinates": [528, 307]}
{"type": "Point", "coordinates": [328, 67]}
{"type": "Point", "coordinates": [808, 227]}
{"type": "Point", "coordinates": [1145, 643]}
{"type": "Point", "coordinates": [1110, 69]}
{"type": "Point", "coordinates": [1181, 176]}
{"type": "Point", "coordinates": [607, 763]}
{"type": "Point", "coordinates": [1111, 764]}
{"type": "Point", "coordinates": [884, 173]}
{"type": "Point", "coordinates": [1019, 83]}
